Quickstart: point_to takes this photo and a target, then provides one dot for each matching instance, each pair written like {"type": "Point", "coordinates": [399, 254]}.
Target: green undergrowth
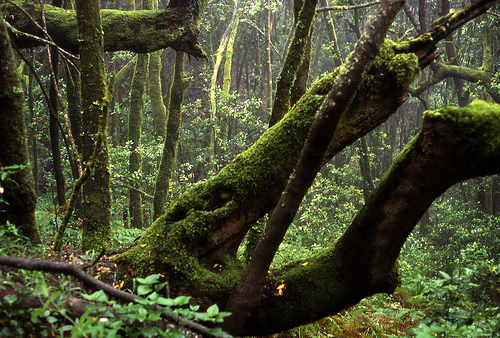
{"type": "Point", "coordinates": [33, 303]}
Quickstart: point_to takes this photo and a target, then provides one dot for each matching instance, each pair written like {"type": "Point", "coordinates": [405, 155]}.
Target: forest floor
{"type": "Point", "coordinates": [367, 319]}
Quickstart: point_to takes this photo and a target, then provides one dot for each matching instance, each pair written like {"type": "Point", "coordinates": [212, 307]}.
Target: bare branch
{"type": "Point", "coordinates": [89, 281]}
{"type": "Point", "coordinates": [347, 8]}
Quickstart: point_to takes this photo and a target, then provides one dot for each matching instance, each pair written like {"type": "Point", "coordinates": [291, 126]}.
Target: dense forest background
{"type": "Point", "coordinates": [449, 265]}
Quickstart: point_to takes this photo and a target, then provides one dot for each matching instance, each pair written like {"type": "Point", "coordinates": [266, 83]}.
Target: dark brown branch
{"type": "Point", "coordinates": [245, 296]}
{"type": "Point", "coordinates": [89, 281]}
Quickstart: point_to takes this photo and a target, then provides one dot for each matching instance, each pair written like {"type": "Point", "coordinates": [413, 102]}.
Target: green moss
{"type": "Point", "coordinates": [479, 123]}
{"type": "Point", "coordinates": [402, 66]}
{"type": "Point", "coordinates": [253, 180]}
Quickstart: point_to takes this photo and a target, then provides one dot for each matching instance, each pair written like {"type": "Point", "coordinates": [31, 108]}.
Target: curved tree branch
{"type": "Point", "coordinates": [454, 144]}
{"type": "Point", "coordinates": [445, 71]}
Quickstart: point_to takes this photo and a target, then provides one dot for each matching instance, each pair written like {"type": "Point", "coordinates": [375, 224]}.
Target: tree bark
{"type": "Point", "coordinates": [137, 31]}
{"type": "Point", "coordinates": [17, 197]}
{"type": "Point", "coordinates": [96, 198]}
{"type": "Point", "coordinates": [364, 166]}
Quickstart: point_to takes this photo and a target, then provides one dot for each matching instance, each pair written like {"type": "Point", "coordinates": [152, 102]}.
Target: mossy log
{"type": "Point", "coordinates": [138, 31]}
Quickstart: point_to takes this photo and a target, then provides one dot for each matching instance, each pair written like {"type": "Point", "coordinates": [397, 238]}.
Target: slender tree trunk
{"type": "Point", "coordinates": [33, 132]}
{"type": "Point", "coordinates": [158, 109]}
{"type": "Point", "coordinates": [96, 199]}
{"type": "Point", "coordinates": [268, 62]}
{"type": "Point", "coordinates": [54, 131]}
{"type": "Point", "coordinates": [17, 195]}
{"type": "Point", "coordinates": [332, 34]}
{"type": "Point", "coordinates": [293, 60]}
{"type": "Point", "coordinates": [213, 88]}
{"type": "Point", "coordinates": [179, 86]}
{"type": "Point", "coordinates": [224, 119]}
{"type": "Point", "coordinates": [134, 135]}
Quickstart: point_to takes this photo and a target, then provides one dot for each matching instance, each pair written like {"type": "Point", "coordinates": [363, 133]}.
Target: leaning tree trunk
{"type": "Point", "coordinates": [17, 195]}
{"type": "Point", "coordinates": [454, 144]}
{"type": "Point", "coordinates": [96, 199]}
{"type": "Point", "coordinates": [207, 223]}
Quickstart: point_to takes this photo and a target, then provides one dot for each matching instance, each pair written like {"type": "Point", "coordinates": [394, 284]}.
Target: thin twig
{"type": "Point", "coordinates": [254, 25]}
{"type": "Point", "coordinates": [346, 8]}
{"type": "Point", "coordinates": [44, 41]}
{"type": "Point", "coordinates": [134, 188]}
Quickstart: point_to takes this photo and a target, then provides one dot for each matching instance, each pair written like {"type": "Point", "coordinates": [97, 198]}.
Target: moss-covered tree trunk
{"type": "Point", "coordinates": [17, 194]}
{"type": "Point", "coordinates": [224, 120]}
{"type": "Point", "coordinates": [194, 244]}
{"type": "Point", "coordinates": [178, 88]}
{"type": "Point", "coordinates": [206, 224]}
{"type": "Point", "coordinates": [158, 109]}
{"type": "Point", "coordinates": [177, 26]}
{"type": "Point", "coordinates": [137, 88]}
{"type": "Point", "coordinates": [293, 61]}
{"type": "Point", "coordinates": [96, 198]}
{"type": "Point", "coordinates": [214, 115]}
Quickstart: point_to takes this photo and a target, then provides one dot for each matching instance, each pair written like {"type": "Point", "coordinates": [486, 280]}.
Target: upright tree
{"type": "Point", "coordinates": [17, 194]}
{"type": "Point", "coordinates": [96, 200]}
{"type": "Point", "coordinates": [177, 90]}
